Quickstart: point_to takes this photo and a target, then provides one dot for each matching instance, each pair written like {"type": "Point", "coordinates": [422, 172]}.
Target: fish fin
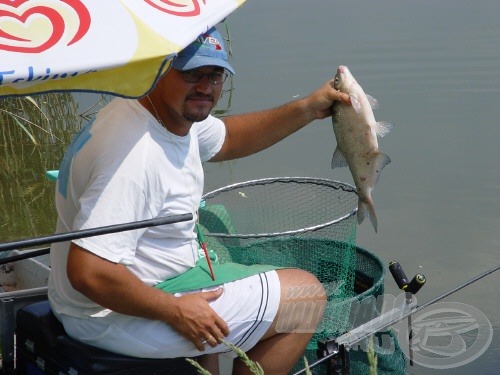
{"type": "Point", "coordinates": [381, 160]}
{"type": "Point", "coordinates": [338, 160]}
{"type": "Point", "coordinates": [373, 102]}
{"type": "Point", "coordinates": [383, 128]}
{"type": "Point", "coordinates": [366, 208]}
{"type": "Point", "coordinates": [355, 103]}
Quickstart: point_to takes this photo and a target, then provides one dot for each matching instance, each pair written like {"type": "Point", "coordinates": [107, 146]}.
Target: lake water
{"type": "Point", "coordinates": [435, 69]}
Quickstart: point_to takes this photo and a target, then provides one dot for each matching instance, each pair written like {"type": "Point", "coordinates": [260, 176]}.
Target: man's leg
{"type": "Point", "coordinates": [210, 362]}
{"type": "Point", "coordinates": [301, 308]}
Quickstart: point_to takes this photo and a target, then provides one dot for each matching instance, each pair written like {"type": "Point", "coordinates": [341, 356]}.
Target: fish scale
{"type": "Point", "coordinates": [356, 132]}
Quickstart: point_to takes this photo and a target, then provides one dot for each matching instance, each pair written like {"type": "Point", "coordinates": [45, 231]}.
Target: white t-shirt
{"type": "Point", "coordinates": [126, 167]}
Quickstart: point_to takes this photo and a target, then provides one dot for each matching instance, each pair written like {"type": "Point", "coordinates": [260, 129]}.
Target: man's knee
{"type": "Point", "coordinates": [298, 284]}
{"type": "Point", "coordinates": [302, 302]}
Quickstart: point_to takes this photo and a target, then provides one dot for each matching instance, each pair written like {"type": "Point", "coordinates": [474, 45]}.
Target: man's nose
{"type": "Point", "coordinates": [203, 84]}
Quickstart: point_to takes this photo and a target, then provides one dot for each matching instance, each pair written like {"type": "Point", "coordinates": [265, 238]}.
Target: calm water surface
{"type": "Point", "coordinates": [435, 69]}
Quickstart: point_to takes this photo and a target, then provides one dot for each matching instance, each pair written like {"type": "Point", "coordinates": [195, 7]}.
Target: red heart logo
{"type": "Point", "coordinates": [19, 12]}
{"type": "Point", "coordinates": [177, 8]}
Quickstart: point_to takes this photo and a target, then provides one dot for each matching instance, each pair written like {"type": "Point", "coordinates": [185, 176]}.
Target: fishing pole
{"type": "Point", "coordinates": [25, 255]}
{"type": "Point", "coordinates": [61, 237]}
{"type": "Point", "coordinates": [405, 313]}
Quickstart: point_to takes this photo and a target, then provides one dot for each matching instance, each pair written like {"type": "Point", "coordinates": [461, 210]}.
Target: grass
{"type": "Point", "coordinates": [44, 118]}
{"type": "Point", "coordinates": [39, 118]}
{"type": "Point", "coordinates": [34, 132]}
{"type": "Point", "coordinates": [372, 357]}
{"type": "Point", "coordinates": [256, 369]}
{"type": "Point", "coordinates": [225, 102]}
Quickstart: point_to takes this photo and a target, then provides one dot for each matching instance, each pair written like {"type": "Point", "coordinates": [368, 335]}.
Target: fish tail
{"type": "Point", "coordinates": [366, 208]}
{"type": "Point", "coordinates": [365, 203]}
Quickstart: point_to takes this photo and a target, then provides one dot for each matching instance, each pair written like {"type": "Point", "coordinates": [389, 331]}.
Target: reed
{"type": "Point", "coordinates": [198, 367]}
{"type": "Point", "coordinates": [34, 131]}
{"type": "Point", "coordinates": [372, 357]}
{"type": "Point", "coordinates": [223, 107]}
{"type": "Point", "coordinates": [253, 366]}
{"type": "Point", "coordinates": [39, 118]}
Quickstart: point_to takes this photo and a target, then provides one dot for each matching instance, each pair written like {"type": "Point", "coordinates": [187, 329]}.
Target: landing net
{"type": "Point", "coordinates": [307, 223]}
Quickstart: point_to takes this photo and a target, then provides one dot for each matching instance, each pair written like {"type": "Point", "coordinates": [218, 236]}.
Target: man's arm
{"type": "Point", "coordinates": [249, 133]}
{"type": "Point", "coordinates": [113, 286]}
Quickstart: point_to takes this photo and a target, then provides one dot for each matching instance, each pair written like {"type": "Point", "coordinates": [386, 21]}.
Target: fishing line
{"type": "Point", "coordinates": [414, 311]}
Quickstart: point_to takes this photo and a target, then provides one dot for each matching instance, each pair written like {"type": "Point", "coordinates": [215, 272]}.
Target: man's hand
{"type": "Point", "coordinates": [113, 286]}
{"type": "Point", "coordinates": [194, 319]}
{"type": "Point", "coordinates": [252, 132]}
{"type": "Point", "coordinates": [320, 101]}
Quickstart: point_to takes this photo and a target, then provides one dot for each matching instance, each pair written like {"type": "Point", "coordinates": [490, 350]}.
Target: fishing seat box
{"type": "Point", "coordinates": [43, 347]}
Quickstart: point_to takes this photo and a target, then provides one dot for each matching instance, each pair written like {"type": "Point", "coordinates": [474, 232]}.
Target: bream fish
{"type": "Point", "coordinates": [356, 132]}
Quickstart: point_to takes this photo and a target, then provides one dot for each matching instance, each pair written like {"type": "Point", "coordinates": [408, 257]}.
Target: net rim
{"type": "Point", "coordinates": [314, 180]}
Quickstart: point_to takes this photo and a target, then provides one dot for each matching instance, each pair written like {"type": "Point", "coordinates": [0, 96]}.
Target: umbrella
{"type": "Point", "coordinates": [110, 46]}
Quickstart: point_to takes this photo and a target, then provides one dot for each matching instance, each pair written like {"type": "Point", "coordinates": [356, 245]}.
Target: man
{"type": "Point", "coordinates": [142, 159]}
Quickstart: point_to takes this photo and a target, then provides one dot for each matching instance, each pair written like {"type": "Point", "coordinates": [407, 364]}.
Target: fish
{"type": "Point", "coordinates": [356, 132]}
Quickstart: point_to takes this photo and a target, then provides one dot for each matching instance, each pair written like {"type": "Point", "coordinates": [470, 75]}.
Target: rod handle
{"type": "Point", "coordinates": [416, 283]}
{"type": "Point", "coordinates": [398, 274]}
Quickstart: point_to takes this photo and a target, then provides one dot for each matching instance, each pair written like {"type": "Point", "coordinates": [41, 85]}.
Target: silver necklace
{"type": "Point", "coordinates": [158, 118]}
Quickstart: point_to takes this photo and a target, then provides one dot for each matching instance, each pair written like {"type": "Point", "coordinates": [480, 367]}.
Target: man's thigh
{"type": "Point", "coordinates": [248, 306]}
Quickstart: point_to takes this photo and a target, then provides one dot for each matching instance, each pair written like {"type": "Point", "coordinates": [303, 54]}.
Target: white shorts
{"type": "Point", "coordinates": [248, 306]}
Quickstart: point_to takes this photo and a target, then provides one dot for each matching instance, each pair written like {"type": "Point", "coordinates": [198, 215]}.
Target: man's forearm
{"type": "Point", "coordinates": [253, 132]}
{"type": "Point", "coordinates": [114, 287]}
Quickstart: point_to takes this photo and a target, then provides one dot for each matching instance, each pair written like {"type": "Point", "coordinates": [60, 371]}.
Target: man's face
{"type": "Point", "coordinates": [185, 100]}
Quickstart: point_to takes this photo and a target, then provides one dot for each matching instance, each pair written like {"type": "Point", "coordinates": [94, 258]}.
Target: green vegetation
{"type": "Point", "coordinates": [254, 367]}
{"type": "Point", "coordinates": [372, 357]}
{"type": "Point", "coordinates": [38, 119]}
{"type": "Point", "coordinates": [34, 132]}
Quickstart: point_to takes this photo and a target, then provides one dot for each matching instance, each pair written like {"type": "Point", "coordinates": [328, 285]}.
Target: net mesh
{"type": "Point", "coordinates": [308, 223]}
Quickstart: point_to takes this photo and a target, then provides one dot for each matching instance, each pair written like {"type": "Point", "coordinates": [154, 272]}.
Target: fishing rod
{"type": "Point", "coordinates": [341, 344]}
{"type": "Point", "coordinates": [25, 255]}
{"type": "Point", "coordinates": [61, 237]}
